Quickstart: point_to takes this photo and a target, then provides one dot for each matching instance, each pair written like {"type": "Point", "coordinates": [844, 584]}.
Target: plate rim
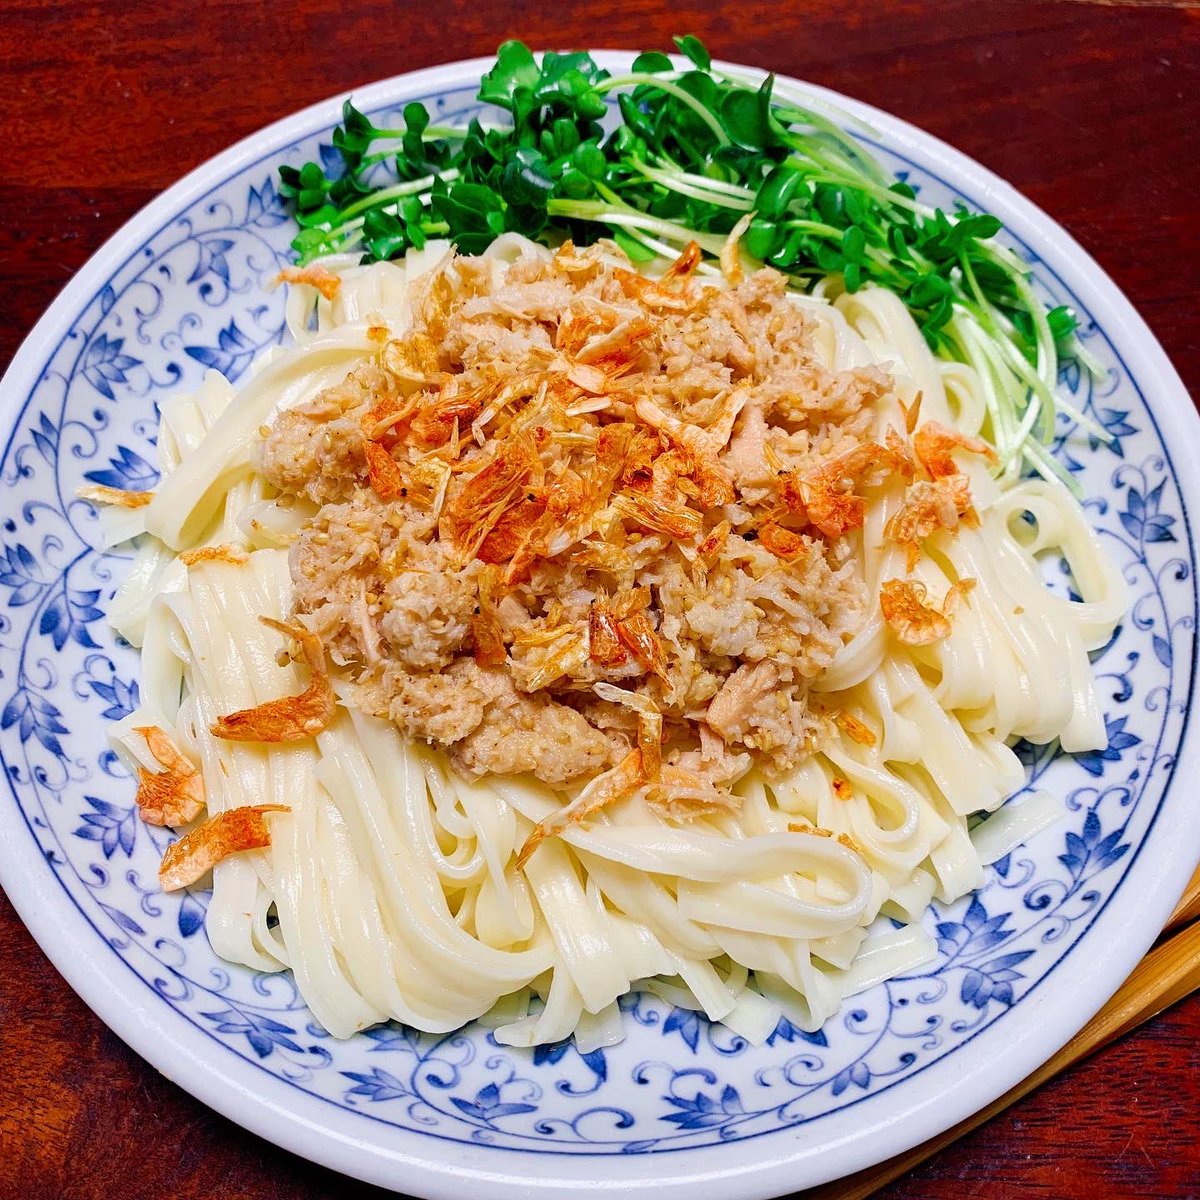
{"type": "Point", "coordinates": [309, 1126]}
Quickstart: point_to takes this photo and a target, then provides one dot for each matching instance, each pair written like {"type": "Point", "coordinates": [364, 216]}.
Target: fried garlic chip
{"type": "Point", "coordinates": [196, 853]}
{"type": "Point", "coordinates": [934, 444]}
{"type": "Point", "coordinates": [174, 795]}
{"type": "Point", "coordinates": [290, 718]}
{"type": "Point", "coordinates": [913, 621]}
{"type": "Point", "coordinates": [314, 276]}
{"type": "Point", "coordinates": [626, 777]}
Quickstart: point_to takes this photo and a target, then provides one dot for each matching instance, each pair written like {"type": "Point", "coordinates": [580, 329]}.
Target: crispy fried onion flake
{"type": "Point", "coordinates": [174, 795]}
{"type": "Point", "coordinates": [196, 853]}
{"type": "Point", "coordinates": [290, 718]}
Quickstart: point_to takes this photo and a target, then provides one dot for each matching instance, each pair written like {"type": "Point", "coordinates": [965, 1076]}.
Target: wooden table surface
{"type": "Point", "coordinates": [1091, 109]}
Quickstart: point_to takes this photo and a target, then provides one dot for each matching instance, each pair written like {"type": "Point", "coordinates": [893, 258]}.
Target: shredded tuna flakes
{"type": "Point", "coordinates": [174, 795]}
{"type": "Point", "coordinates": [195, 854]}
{"type": "Point", "coordinates": [567, 475]}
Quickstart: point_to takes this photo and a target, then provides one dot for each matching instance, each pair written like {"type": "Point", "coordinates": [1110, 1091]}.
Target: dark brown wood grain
{"type": "Point", "coordinates": [1093, 110]}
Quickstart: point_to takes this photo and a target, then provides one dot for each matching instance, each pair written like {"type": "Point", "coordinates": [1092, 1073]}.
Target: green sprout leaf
{"type": "Point", "coordinates": [515, 67]}
{"type": "Point", "coordinates": [693, 48]}
{"type": "Point", "coordinates": [689, 154]}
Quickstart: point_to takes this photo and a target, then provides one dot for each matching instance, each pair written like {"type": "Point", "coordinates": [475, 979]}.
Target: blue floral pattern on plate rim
{"type": "Point", "coordinates": [189, 297]}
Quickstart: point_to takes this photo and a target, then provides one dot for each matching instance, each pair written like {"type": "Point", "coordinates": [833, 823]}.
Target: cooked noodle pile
{"type": "Point", "coordinates": [656, 632]}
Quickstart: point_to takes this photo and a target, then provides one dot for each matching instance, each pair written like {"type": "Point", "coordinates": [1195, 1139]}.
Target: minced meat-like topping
{"type": "Point", "coordinates": [566, 479]}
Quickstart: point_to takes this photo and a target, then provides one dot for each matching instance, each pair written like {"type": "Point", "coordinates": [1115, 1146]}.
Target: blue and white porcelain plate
{"type": "Point", "coordinates": [1021, 965]}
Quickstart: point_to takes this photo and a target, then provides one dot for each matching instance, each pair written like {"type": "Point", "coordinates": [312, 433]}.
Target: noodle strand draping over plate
{"type": "Point", "coordinates": [390, 886]}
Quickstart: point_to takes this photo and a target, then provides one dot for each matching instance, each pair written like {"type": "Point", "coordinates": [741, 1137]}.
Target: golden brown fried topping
{"type": "Point", "coordinates": [383, 473]}
{"type": "Point", "coordinates": [116, 497]}
{"type": "Point", "coordinates": [934, 445]}
{"type": "Point", "coordinates": [783, 543]}
{"type": "Point", "coordinates": [195, 854]}
{"type": "Point", "coordinates": [290, 718]}
{"type": "Point", "coordinates": [174, 795]}
{"type": "Point", "coordinates": [620, 781]}
{"type": "Point", "coordinates": [913, 621]}
{"type": "Point", "coordinates": [233, 555]}
{"type": "Point", "coordinates": [854, 729]}
{"type": "Point", "coordinates": [927, 508]}
{"type": "Point", "coordinates": [314, 276]}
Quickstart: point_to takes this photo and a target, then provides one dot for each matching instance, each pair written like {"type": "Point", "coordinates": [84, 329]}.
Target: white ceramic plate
{"type": "Point", "coordinates": [1022, 965]}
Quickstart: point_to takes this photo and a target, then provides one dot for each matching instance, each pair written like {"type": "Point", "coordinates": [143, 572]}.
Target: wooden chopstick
{"type": "Point", "coordinates": [1165, 976]}
{"type": "Point", "coordinates": [1188, 908]}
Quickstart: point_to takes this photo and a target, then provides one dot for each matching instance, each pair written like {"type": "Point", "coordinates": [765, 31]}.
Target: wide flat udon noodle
{"type": "Point", "coordinates": [390, 887]}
